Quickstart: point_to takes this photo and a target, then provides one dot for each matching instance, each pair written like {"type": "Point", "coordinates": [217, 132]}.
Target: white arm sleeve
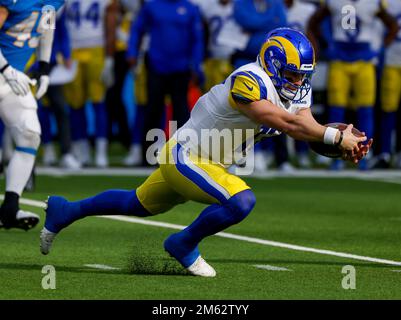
{"type": "Point", "coordinates": [44, 49]}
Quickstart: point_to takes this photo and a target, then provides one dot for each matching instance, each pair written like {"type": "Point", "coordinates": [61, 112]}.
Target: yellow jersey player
{"type": "Point", "coordinates": [91, 25]}
{"type": "Point", "coordinates": [351, 69]}
{"type": "Point", "coordinates": [266, 97]}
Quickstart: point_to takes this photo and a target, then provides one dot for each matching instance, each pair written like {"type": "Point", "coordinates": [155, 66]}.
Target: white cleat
{"type": "Point", "coordinates": [68, 161]}
{"type": "Point", "coordinates": [201, 268]}
{"type": "Point", "coordinates": [46, 240]}
{"type": "Point", "coordinates": [101, 159]}
{"type": "Point", "coordinates": [134, 157]}
{"type": "Point", "coordinates": [49, 155]}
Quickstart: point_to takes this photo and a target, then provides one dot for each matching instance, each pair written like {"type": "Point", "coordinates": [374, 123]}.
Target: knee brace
{"type": "Point", "coordinates": [241, 205]}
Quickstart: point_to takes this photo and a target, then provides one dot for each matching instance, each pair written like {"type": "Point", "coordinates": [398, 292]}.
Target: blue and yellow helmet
{"type": "Point", "coordinates": [286, 49]}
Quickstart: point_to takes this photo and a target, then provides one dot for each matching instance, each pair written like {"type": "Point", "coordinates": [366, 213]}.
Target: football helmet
{"type": "Point", "coordinates": [288, 52]}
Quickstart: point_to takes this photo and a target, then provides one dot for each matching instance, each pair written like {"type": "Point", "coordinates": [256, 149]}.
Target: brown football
{"type": "Point", "coordinates": [330, 150]}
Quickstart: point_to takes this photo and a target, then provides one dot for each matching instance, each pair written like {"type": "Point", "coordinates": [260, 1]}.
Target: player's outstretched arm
{"type": "Point", "coordinates": [43, 52]}
{"type": "Point", "coordinates": [300, 126]}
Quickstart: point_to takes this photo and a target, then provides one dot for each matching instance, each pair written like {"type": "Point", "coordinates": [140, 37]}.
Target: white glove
{"type": "Point", "coordinates": [43, 85]}
{"type": "Point", "coordinates": [18, 81]}
{"type": "Point", "coordinates": [107, 75]}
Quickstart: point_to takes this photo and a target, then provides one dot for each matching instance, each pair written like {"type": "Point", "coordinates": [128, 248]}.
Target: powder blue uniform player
{"type": "Point", "coordinates": [25, 27]}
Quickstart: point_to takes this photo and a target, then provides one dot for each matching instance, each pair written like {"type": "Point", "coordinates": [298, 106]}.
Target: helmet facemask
{"type": "Point", "coordinates": [288, 89]}
{"type": "Point", "coordinates": [294, 92]}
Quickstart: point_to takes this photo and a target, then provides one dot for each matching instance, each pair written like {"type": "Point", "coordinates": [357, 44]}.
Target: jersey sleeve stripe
{"type": "Point", "coordinates": [262, 86]}
{"type": "Point", "coordinates": [245, 88]}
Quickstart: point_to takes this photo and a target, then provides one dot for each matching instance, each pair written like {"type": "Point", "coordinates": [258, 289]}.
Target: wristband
{"type": "Point", "coordinates": [330, 136]}
{"type": "Point", "coordinates": [341, 139]}
{"type": "Point", "coordinates": [44, 68]}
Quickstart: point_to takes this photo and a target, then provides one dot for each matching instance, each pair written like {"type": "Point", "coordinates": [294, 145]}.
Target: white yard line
{"type": "Point", "coordinates": [101, 267]}
{"type": "Point", "coordinates": [270, 243]}
{"type": "Point", "coordinates": [270, 268]}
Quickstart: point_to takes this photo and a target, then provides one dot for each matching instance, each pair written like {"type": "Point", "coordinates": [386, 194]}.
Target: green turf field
{"type": "Point", "coordinates": [343, 215]}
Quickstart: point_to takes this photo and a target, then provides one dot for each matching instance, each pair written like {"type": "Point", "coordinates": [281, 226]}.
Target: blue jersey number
{"type": "Point", "coordinates": [215, 23]}
{"type": "Point", "coordinates": [92, 14]}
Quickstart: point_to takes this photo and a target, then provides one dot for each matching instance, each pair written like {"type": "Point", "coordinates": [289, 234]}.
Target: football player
{"type": "Point", "coordinates": [216, 14]}
{"type": "Point", "coordinates": [267, 97]}
{"type": "Point", "coordinates": [91, 25]}
{"type": "Point", "coordinates": [390, 91]}
{"type": "Point", "coordinates": [25, 26]}
{"type": "Point", "coordinates": [352, 68]}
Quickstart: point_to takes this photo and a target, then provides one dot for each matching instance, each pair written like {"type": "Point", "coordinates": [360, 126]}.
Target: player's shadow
{"type": "Point", "coordinates": [301, 262]}
{"type": "Point", "coordinates": [153, 265]}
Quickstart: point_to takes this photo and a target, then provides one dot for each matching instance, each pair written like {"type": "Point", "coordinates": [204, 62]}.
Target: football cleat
{"type": "Point", "coordinates": [23, 220]}
{"type": "Point", "coordinates": [189, 259]}
{"type": "Point", "coordinates": [68, 161]}
{"type": "Point", "coordinates": [201, 268]}
{"type": "Point", "coordinates": [134, 157]}
{"type": "Point", "coordinates": [46, 240]}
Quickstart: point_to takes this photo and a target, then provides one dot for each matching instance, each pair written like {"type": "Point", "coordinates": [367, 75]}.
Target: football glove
{"type": "Point", "coordinates": [17, 80]}
{"type": "Point", "coordinates": [107, 75]}
{"type": "Point", "coordinates": [43, 79]}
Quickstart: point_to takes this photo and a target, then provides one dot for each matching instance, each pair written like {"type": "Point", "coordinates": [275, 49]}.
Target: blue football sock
{"type": "Point", "coordinates": [365, 120]}
{"type": "Point", "coordinates": [100, 119]}
{"type": "Point", "coordinates": [111, 202]}
{"type": "Point", "coordinates": [387, 127]}
{"type": "Point", "coordinates": [214, 219]}
{"type": "Point", "coordinates": [79, 124]}
{"type": "Point", "coordinates": [336, 114]}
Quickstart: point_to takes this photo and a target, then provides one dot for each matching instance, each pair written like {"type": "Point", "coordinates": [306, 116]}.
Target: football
{"type": "Point", "coordinates": [330, 150]}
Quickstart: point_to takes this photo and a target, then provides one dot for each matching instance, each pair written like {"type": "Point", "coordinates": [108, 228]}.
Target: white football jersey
{"type": "Point", "coordinates": [217, 110]}
{"type": "Point", "coordinates": [298, 15]}
{"type": "Point", "coordinates": [344, 28]}
{"type": "Point", "coordinates": [393, 52]}
{"type": "Point", "coordinates": [85, 22]}
{"type": "Point", "coordinates": [216, 15]}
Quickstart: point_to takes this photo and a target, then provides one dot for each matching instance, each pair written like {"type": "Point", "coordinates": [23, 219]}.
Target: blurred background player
{"type": "Point", "coordinates": [116, 105]}
{"type": "Point", "coordinates": [91, 25]}
{"type": "Point", "coordinates": [54, 103]}
{"type": "Point", "coordinates": [25, 26]}
{"type": "Point", "coordinates": [138, 72]}
{"type": "Point", "coordinates": [216, 14]}
{"type": "Point", "coordinates": [352, 74]}
{"type": "Point", "coordinates": [174, 56]}
{"type": "Point", "coordinates": [390, 93]}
